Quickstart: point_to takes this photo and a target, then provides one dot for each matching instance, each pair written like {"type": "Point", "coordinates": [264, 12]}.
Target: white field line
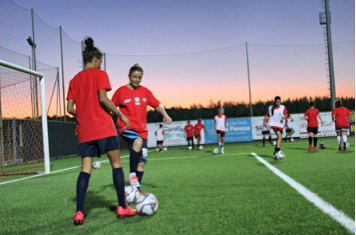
{"type": "Point", "coordinates": [327, 208]}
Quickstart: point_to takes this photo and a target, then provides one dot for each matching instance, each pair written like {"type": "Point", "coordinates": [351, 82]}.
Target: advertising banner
{"type": "Point", "coordinates": [239, 130]}
{"type": "Point", "coordinates": [325, 130]}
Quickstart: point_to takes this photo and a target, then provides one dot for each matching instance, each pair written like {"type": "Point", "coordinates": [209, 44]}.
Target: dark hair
{"type": "Point", "coordinates": [160, 125]}
{"type": "Point", "coordinates": [188, 121]}
{"type": "Point", "coordinates": [274, 103]}
{"type": "Point", "coordinates": [311, 104]}
{"type": "Point", "coordinates": [136, 67]}
{"type": "Point", "coordinates": [200, 120]}
{"type": "Point", "coordinates": [338, 103]}
{"type": "Point", "coordinates": [90, 51]}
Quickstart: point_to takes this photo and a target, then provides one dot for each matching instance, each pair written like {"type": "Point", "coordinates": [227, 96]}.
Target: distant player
{"type": "Point", "coordinates": [88, 102]}
{"type": "Point", "coordinates": [277, 113]}
{"type": "Point", "coordinates": [198, 127]}
{"type": "Point", "coordinates": [340, 116]}
{"type": "Point", "coordinates": [288, 126]}
{"type": "Point", "coordinates": [133, 99]}
{"type": "Point", "coordinates": [220, 123]}
{"type": "Point", "coordinates": [311, 116]}
{"type": "Point", "coordinates": [265, 131]}
{"type": "Point", "coordinates": [189, 133]}
{"type": "Point", "coordinates": [161, 136]}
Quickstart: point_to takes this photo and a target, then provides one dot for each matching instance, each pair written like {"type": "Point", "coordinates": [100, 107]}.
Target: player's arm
{"type": "Point", "coordinates": [166, 119]}
{"type": "Point", "coordinates": [70, 107]}
{"type": "Point", "coordinates": [320, 118]}
{"type": "Point", "coordinates": [265, 120]}
{"type": "Point", "coordinates": [108, 104]}
{"type": "Point", "coordinates": [333, 118]}
{"type": "Point", "coordinates": [206, 132]}
{"type": "Point", "coordinates": [226, 122]}
{"type": "Point", "coordinates": [214, 125]}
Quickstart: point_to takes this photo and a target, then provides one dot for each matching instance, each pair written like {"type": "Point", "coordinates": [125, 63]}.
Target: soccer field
{"type": "Point", "coordinates": [239, 192]}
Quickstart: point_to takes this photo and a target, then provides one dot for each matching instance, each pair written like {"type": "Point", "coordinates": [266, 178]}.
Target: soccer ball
{"type": "Point", "coordinates": [279, 155]}
{"type": "Point", "coordinates": [96, 165]}
{"type": "Point", "coordinates": [131, 194]}
{"type": "Point", "coordinates": [274, 143]}
{"type": "Point", "coordinates": [189, 147]}
{"type": "Point", "coordinates": [165, 149]}
{"type": "Point", "coordinates": [322, 146]}
{"type": "Point", "coordinates": [347, 145]}
{"type": "Point", "coordinates": [146, 204]}
{"type": "Point", "coordinates": [215, 151]}
{"type": "Point", "coordinates": [291, 139]}
{"type": "Point", "coordinates": [200, 148]}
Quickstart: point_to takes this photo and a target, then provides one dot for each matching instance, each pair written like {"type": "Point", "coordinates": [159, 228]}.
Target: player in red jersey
{"type": "Point", "coordinates": [277, 113]}
{"type": "Point", "coordinates": [133, 99]}
{"type": "Point", "coordinates": [95, 128]}
{"type": "Point", "coordinates": [189, 132]}
{"type": "Point", "coordinates": [311, 116]}
{"type": "Point", "coordinates": [340, 116]}
{"type": "Point", "coordinates": [197, 128]}
{"type": "Point", "coordinates": [220, 123]}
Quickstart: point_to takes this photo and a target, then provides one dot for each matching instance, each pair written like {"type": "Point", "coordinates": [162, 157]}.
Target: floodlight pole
{"type": "Point", "coordinates": [63, 91]}
{"type": "Point", "coordinates": [249, 82]}
{"type": "Point", "coordinates": [327, 22]}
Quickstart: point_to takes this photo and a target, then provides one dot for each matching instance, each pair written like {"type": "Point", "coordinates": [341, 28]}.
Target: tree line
{"type": "Point", "coordinates": [238, 109]}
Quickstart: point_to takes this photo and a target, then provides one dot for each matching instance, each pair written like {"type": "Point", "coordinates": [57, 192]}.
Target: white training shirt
{"type": "Point", "coordinates": [160, 134]}
{"type": "Point", "coordinates": [220, 122]}
{"type": "Point", "coordinates": [277, 118]}
{"type": "Point", "coordinates": [263, 125]}
{"type": "Point", "coordinates": [289, 123]}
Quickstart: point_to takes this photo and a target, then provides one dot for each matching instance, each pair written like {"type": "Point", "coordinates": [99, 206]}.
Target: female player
{"type": "Point", "coordinates": [265, 131]}
{"type": "Point", "coordinates": [288, 126]}
{"type": "Point", "coordinates": [340, 116]}
{"type": "Point", "coordinates": [277, 113]}
{"type": "Point", "coordinates": [220, 122]}
{"type": "Point", "coordinates": [96, 130]}
{"type": "Point", "coordinates": [189, 133]}
{"type": "Point", "coordinates": [198, 127]}
{"type": "Point", "coordinates": [133, 99]}
{"type": "Point", "coordinates": [161, 136]}
{"type": "Point", "coordinates": [311, 116]}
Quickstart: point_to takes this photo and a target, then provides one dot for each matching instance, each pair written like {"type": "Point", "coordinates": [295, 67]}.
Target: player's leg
{"type": "Point", "coordinates": [219, 138]}
{"type": "Point", "coordinates": [263, 139]}
{"type": "Point", "coordinates": [198, 141]}
{"type": "Point", "coordinates": [270, 137]}
{"type": "Point", "coordinates": [192, 139]}
{"type": "Point", "coordinates": [222, 142]}
{"type": "Point", "coordinates": [142, 161]}
{"type": "Point", "coordinates": [344, 137]}
{"type": "Point", "coordinates": [338, 137]}
{"type": "Point", "coordinates": [279, 141]}
{"type": "Point", "coordinates": [315, 134]}
{"type": "Point", "coordinates": [310, 133]}
{"type": "Point", "coordinates": [157, 148]}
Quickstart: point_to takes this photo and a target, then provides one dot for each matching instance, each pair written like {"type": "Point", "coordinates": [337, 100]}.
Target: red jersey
{"type": "Point", "coordinates": [133, 105]}
{"type": "Point", "coordinates": [341, 114]}
{"type": "Point", "coordinates": [198, 127]}
{"type": "Point", "coordinates": [312, 115]}
{"type": "Point", "coordinates": [93, 122]}
{"type": "Point", "coordinates": [189, 129]}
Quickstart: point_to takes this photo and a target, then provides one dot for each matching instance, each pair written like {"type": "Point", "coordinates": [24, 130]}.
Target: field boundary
{"type": "Point", "coordinates": [327, 208]}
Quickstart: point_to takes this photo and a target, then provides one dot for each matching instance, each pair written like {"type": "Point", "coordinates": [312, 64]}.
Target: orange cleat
{"type": "Point", "coordinates": [134, 181]}
{"type": "Point", "coordinates": [78, 218]}
{"type": "Point", "coordinates": [123, 212]}
{"type": "Point", "coordinates": [310, 148]}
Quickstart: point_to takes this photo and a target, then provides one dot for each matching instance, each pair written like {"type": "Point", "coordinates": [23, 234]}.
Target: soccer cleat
{"type": "Point", "coordinates": [156, 149]}
{"type": "Point", "coordinates": [78, 218]}
{"type": "Point", "coordinates": [222, 151]}
{"type": "Point", "coordinates": [315, 148]}
{"type": "Point", "coordinates": [344, 146]}
{"type": "Point", "coordinates": [134, 181]}
{"type": "Point", "coordinates": [123, 212]}
{"type": "Point", "coordinates": [339, 148]}
{"type": "Point", "coordinates": [310, 148]}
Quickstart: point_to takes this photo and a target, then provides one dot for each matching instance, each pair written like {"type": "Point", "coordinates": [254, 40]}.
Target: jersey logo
{"type": "Point", "coordinates": [144, 99]}
{"type": "Point", "coordinates": [137, 101]}
{"type": "Point", "coordinates": [128, 100]}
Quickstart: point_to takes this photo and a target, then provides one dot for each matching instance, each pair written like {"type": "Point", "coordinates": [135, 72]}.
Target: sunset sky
{"type": "Point", "coordinates": [193, 51]}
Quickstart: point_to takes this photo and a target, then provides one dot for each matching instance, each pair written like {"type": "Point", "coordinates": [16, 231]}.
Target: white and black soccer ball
{"type": "Point", "coordinates": [96, 165]}
{"type": "Point", "coordinates": [165, 149]}
{"type": "Point", "coordinates": [347, 145]}
{"type": "Point", "coordinates": [146, 204]}
{"type": "Point", "coordinates": [322, 145]}
{"type": "Point", "coordinates": [215, 151]}
{"type": "Point", "coordinates": [189, 147]}
{"type": "Point", "coordinates": [200, 148]}
{"type": "Point", "coordinates": [274, 143]}
{"type": "Point", "coordinates": [131, 194]}
{"type": "Point", "coordinates": [279, 155]}
{"type": "Point", "coordinates": [291, 139]}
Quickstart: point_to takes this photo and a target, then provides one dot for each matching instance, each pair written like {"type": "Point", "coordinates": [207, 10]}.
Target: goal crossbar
{"type": "Point", "coordinates": [44, 111]}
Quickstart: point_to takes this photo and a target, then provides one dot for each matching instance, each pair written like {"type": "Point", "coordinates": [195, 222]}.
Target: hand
{"type": "Point", "coordinates": [167, 119]}
{"type": "Point", "coordinates": [126, 121]}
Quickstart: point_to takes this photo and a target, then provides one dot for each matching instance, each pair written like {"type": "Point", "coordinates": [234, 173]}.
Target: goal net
{"type": "Point", "coordinates": [23, 128]}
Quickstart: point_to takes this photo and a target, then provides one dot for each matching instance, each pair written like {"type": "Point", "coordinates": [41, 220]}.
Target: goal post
{"type": "Point", "coordinates": [41, 76]}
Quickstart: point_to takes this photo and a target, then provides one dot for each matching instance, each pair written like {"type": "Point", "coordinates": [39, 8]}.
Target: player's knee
{"type": "Point", "coordinates": [141, 166]}
{"type": "Point", "coordinates": [137, 145]}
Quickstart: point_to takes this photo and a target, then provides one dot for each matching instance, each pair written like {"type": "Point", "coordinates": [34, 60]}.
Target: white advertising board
{"type": "Point", "coordinates": [325, 130]}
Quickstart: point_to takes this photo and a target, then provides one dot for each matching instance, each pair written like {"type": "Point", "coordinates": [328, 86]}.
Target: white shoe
{"type": "Point", "coordinates": [134, 180]}
{"type": "Point", "coordinates": [222, 151]}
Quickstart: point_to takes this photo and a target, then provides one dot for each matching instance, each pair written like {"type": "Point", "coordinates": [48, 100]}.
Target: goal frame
{"type": "Point", "coordinates": [41, 76]}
